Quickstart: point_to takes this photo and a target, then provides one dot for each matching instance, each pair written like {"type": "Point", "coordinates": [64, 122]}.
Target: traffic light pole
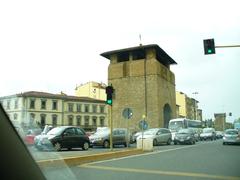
{"type": "Point", "coordinates": [230, 46]}
{"type": "Point", "coordinates": [111, 128]}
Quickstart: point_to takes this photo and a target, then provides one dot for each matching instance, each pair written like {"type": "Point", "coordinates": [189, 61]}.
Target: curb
{"type": "Point", "coordinates": [72, 161]}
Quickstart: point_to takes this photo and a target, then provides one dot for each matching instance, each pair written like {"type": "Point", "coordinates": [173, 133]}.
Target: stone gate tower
{"type": "Point", "coordinates": [143, 82]}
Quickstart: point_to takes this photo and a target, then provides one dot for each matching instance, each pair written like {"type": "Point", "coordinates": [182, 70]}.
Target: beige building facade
{"type": "Point", "coordinates": [220, 121]}
{"type": "Point", "coordinates": [142, 82]}
{"type": "Point", "coordinates": [188, 107]}
{"type": "Point", "coordinates": [40, 108]}
{"type": "Point", "coordinates": [91, 89]}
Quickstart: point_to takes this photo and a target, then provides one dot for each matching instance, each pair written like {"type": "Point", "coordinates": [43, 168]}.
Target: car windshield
{"type": "Point", "coordinates": [34, 131]}
{"type": "Point", "coordinates": [184, 131]}
{"type": "Point", "coordinates": [55, 131]}
{"type": "Point", "coordinates": [175, 125]}
{"type": "Point", "coordinates": [231, 132]}
{"type": "Point", "coordinates": [151, 132]}
{"type": "Point", "coordinates": [157, 66]}
{"type": "Point", "coordinates": [102, 132]}
{"type": "Point", "coordinates": [207, 130]}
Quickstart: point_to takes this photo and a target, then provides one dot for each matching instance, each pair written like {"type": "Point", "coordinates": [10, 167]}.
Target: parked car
{"type": "Point", "coordinates": [30, 135]}
{"type": "Point", "coordinates": [102, 138]}
{"type": "Point", "coordinates": [185, 136]}
{"type": "Point", "coordinates": [135, 135]}
{"type": "Point", "coordinates": [231, 136]}
{"type": "Point", "coordinates": [63, 137]}
{"type": "Point", "coordinates": [158, 135]}
{"type": "Point", "coordinates": [208, 133]}
{"type": "Point", "coordinates": [219, 134]}
{"type": "Point", "coordinates": [46, 129]}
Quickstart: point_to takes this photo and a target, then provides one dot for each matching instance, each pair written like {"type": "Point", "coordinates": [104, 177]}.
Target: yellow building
{"type": "Point", "coordinates": [40, 108]}
{"type": "Point", "coordinates": [91, 89]}
{"type": "Point", "coordinates": [181, 101]}
{"type": "Point", "coordinates": [188, 107]}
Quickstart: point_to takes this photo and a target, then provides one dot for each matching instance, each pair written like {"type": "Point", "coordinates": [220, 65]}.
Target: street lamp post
{"type": "Point", "coordinates": [195, 105]}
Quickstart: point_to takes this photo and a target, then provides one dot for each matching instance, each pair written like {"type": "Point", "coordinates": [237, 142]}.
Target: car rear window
{"type": "Point", "coordinates": [232, 132]}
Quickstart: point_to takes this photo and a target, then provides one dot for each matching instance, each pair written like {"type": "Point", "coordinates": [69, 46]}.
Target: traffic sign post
{"type": "Point", "coordinates": [143, 125]}
{"type": "Point", "coordinates": [127, 114]}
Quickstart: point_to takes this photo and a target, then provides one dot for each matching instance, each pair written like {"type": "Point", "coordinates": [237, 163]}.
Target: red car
{"type": "Point", "coordinates": [29, 138]}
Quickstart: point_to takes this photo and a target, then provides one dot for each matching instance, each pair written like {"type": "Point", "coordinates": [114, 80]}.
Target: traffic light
{"type": "Point", "coordinates": [109, 92]}
{"type": "Point", "coordinates": [209, 46]}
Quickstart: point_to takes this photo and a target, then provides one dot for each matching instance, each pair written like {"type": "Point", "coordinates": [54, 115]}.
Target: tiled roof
{"type": "Point", "coordinates": [57, 96]}
{"type": "Point", "coordinates": [164, 57]}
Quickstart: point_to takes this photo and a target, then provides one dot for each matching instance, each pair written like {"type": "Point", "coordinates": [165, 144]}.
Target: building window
{"type": "Point", "coordinates": [16, 104]}
{"type": "Point", "coordinates": [94, 121]}
{"type": "Point", "coordinates": [123, 56]}
{"type": "Point", "coordinates": [32, 117]}
{"type": "Point", "coordinates": [70, 120]}
{"type": "Point", "coordinates": [43, 103]}
{"type": "Point", "coordinates": [78, 107]}
{"type": "Point", "coordinates": [94, 108]}
{"type": "Point", "coordinates": [86, 120]}
{"type": "Point", "coordinates": [43, 120]}
{"type": "Point", "coordinates": [15, 116]}
{"type": "Point", "coordinates": [70, 107]}
{"type": "Point", "coordinates": [32, 103]}
{"type": "Point", "coordinates": [78, 121]}
{"type": "Point", "coordinates": [54, 120]}
{"type": "Point", "coordinates": [102, 121]}
{"type": "Point", "coordinates": [8, 104]}
{"type": "Point", "coordinates": [102, 109]}
{"type": "Point", "coordinates": [54, 105]}
{"type": "Point", "coordinates": [86, 108]}
{"type": "Point", "coordinates": [138, 55]}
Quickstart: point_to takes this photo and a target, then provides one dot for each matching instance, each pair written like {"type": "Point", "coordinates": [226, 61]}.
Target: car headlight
{"type": "Point", "coordinates": [45, 141]}
{"type": "Point", "coordinates": [188, 137]}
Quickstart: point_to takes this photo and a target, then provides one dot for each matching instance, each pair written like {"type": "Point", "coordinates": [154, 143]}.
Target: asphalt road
{"type": "Point", "coordinates": [205, 160]}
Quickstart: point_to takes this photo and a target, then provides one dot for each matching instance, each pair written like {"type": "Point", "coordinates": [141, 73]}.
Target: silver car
{"type": "Point", "coordinates": [158, 135]}
{"type": "Point", "coordinates": [231, 136]}
{"type": "Point", "coordinates": [102, 138]}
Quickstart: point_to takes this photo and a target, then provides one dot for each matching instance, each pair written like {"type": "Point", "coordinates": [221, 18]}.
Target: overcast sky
{"type": "Point", "coordinates": [53, 46]}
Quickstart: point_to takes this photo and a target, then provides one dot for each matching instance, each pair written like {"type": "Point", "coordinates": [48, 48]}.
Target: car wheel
{"type": "Point", "coordinates": [106, 144]}
{"type": "Point", "coordinates": [85, 146]}
{"type": "Point", "coordinates": [57, 146]}
{"type": "Point", "coordinates": [224, 143]}
{"type": "Point", "coordinates": [169, 141]}
{"type": "Point", "coordinates": [175, 143]}
{"type": "Point", "coordinates": [154, 142]}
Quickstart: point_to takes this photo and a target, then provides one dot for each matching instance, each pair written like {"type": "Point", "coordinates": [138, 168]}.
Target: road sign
{"type": "Point", "coordinates": [127, 113]}
{"type": "Point", "coordinates": [143, 125]}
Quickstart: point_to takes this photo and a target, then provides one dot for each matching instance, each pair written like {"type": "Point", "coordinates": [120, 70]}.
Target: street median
{"type": "Point", "coordinates": [72, 161]}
